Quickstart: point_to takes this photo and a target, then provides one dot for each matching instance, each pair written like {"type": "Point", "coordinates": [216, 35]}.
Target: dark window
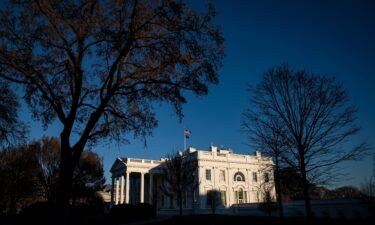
{"type": "Point", "coordinates": [266, 177]}
{"type": "Point", "coordinates": [208, 174]}
{"type": "Point", "coordinates": [255, 177]}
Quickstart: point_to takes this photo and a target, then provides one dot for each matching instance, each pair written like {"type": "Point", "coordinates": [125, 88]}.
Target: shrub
{"type": "Point", "coordinates": [144, 211]}
{"type": "Point", "coordinates": [356, 214]}
{"type": "Point", "coordinates": [40, 213]}
{"type": "Point", "coordinates": [130, 213]}
{"type": "Point", "coordinates": [340, 214]}
{"type": "Point", "coordinates": [84, 210]}
{"type": "Point", "coordinates": [326, 214]}
{"type": "Point", "coordinates": [121, 213]}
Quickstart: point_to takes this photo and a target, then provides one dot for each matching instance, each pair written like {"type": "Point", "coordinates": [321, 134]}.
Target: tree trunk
{"type": "Point", "coordinates": [278, 188]}
{"type": "Point", "coordinates": [306, 187]}
{"type": "Point", "coordinates": [64, 188]}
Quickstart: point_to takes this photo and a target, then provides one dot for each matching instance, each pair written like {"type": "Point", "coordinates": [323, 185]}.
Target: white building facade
{"type": "Point", "coordinates": [238, 179]}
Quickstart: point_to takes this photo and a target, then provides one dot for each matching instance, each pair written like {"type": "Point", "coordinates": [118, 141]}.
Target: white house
{"type": "Point", "coordinates": [239, 179]}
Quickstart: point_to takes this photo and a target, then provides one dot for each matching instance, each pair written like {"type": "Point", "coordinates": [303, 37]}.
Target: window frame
{"type": "Point", "coordinates": [208, 175]}
{"type": "Point", "coordinates": [266, 177]}
{"type": "Point", "coordinates": [255, 177]}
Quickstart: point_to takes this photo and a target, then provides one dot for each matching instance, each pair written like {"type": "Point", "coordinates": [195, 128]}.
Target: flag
{"type": "Point", "coordinates": [187, 133]}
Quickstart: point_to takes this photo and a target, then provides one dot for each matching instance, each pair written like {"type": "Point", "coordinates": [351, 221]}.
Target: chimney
{"type": "Point", "coordinates": [213, 148]}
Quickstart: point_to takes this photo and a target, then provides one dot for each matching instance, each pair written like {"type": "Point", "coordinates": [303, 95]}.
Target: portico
{"type": "Point", "coordinates": [130, 178]}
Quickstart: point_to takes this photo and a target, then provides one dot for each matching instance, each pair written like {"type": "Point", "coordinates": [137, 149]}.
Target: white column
{"type": "Point", "coordinates": [142, 187]}
{"type": "Point", "coordinates": [117, 191]}
{"type": "Point", "coordinates": [230, 190]}
{"type": "Point", "coordinates": [113, 191]}
{"type": "Point", "coordinates": [150, 189]}
{"type": "Point", "coordinates": [122, 190]}
{"type": "Point", "coordinates": [214, 177]}
{"type": "Point", "coordinates": [248, 185]}
{"type": "Point", "coordinates": [127, 187]}
{"type": "Point", "coordinates": [201, 193]}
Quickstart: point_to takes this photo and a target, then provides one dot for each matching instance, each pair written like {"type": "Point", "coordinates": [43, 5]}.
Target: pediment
{"type": "Point", "coordinates": [118, 165]}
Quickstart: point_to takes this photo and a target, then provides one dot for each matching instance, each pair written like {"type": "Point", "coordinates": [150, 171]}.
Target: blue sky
{"type": "Point", "coordinates": [324, 37]}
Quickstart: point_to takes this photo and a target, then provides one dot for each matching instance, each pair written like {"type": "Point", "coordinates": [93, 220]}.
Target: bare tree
{"type": "Point", "coordinates": [88, 178]}
{"type": "Point", "coordinates": [98, 66]}
{"type": "Point", "coordinates": [29, 174]}
{"type": "Point", "coordinates": [18, 166]}
{"type": "Point", "coordinates": [12, 130]}
{"type": "Point", "coordinates": [48, 155]}
{"type": "Point", "coordinates": [88, 175]}
{"type": "Point", "coordinates": [179, 174]}
{"type": "Point", "coordinates": [315, 118]}
{"type": "Point", "coordinates": [368, 191]}
{"type": "Point", "coordinates": [368, 187]}
{"type": "Point", "coordinates": [266, 133]}
{"type": "Point", "coordinates": [268, 204]}
{"type": "Point", "coordinates": [265, 183]}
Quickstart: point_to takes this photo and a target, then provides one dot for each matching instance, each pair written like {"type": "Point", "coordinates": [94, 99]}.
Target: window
{"type": "Point", "coordinates": [208, 174]}
{"type": "Point", "coordinates": [222, 175]}
{"type": "Point", "coordinates": [223, 198]}
{"type": "Point", "coordinates": [240, 196]}
{"type": "Point", "coordinates": [266, 177]}
{"type": "Point", "coordinates": [255, 177]}
{"type": "Point", "coordinates": [239, 177]}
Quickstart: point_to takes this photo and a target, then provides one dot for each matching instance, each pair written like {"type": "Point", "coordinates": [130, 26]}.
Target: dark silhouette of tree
{"type": "Point", "coordinates": [346, 192]}
{"type": "Point", "coordinates": [48, 154]}
{"type": "Point", "coordinates": [88, 178]}
{"type": "Point", "coordinates": [265, 133]}
{"type": "Point", "coordinates": [99, 66]}
{"type": "Point", "coordinates": [88, 175]}
{"type": "Point", "coordinates": [268, 205]}
{"type": "Point", "coordinates": [18, 166]}
{"type": "Point", "coordinates": [368, 187]}
{"type": "Point", "coordinates": [12, 130]}
{"type": "Point", "coordinates": [265, 182]}
{"type": "Point", "coordinates": [315, 117]}
{"type": "Point", "coordinates": [291, 183]}
{"type": "Point", "coordinates": [179, 174]}
{"type": "Point", "coordinates": [368, 190]}
{"type": "Point", "coordinates": [29, 174]}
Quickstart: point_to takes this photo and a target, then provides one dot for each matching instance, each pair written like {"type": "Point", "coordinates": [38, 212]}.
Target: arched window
{"type": "Point", "coordinates": [239, 176]}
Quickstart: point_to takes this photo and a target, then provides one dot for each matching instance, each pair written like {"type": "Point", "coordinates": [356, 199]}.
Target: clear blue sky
{"type": "Point", "coordinates": [327, 37]}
